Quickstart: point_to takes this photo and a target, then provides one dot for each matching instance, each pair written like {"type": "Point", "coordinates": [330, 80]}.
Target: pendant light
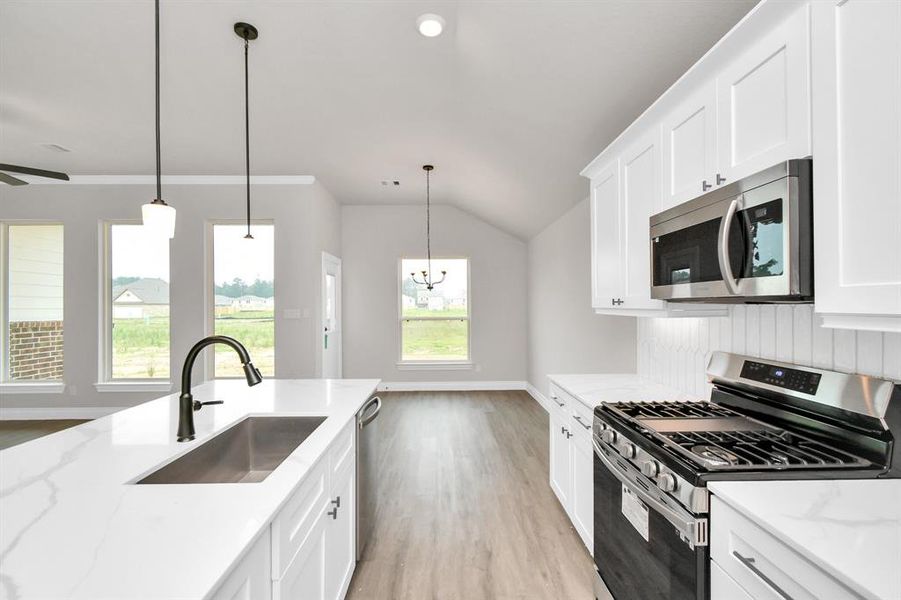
{"type": "Point", "coordinates": [427, 279]}
{"type": "Point", "coordinates": [247, 32]}
{"type": "Point", "coordinates": [157, 215]}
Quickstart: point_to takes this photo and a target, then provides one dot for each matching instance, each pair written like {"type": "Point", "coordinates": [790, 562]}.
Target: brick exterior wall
{"type": "Point", "coordinates": [35, 350]}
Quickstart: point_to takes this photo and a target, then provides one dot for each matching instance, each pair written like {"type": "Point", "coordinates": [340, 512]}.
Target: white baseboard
{"type": "Point", "coordinates": [26, 413]}
{"type": "Point", "coordinates": [538, 396]}
{"type": "Point", "coordinates": [449, 386]}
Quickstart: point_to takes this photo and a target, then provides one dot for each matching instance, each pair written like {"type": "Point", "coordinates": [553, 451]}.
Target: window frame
{"type": "Point", "coordinates": [105, 381]}
{"type": "Point", "coordinates": [40, 386]}
{"type": "Point", "coordinates": [438, 364]}
{"type": "Point", "coordinates": [209, 292]}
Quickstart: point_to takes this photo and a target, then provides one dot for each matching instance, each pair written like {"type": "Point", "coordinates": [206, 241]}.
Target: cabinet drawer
{"type": "Point", "coordinates": [582, 417]}
{"type": "Point", "coordinates": [763, 565]}
{"type": "Point", "coordinates": [723, 587]}
{"type": "Point", "coordinates": [341, 454]}
{"type": "Point", "coordinates": [293, 523]}
{"type": "Point", "coordinates": [558, 398]}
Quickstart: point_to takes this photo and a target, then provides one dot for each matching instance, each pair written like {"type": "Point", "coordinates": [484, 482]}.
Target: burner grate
{"type": "Point", "coordinates": [682, 410]}
{"type": "Point", "coordinates": [754, 449]}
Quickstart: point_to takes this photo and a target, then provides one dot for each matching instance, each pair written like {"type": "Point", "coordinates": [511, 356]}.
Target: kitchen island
{"type": "Point", "coordinates": [73, 524]}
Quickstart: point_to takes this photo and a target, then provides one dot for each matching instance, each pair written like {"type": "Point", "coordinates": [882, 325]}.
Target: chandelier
{"type": "Point", "coordinates": [427, 279]}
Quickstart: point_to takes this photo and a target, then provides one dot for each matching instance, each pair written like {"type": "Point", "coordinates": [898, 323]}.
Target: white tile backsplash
{"type": "Point", "coordinates": [675, 352]}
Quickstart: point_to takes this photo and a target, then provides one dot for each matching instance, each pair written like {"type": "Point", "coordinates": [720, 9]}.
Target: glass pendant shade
{"type": "Point", "coordinates": [159, 217]}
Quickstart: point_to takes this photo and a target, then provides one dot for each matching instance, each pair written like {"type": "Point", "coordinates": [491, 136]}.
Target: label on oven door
{"type": "Point", "coordinates": [636, 512]}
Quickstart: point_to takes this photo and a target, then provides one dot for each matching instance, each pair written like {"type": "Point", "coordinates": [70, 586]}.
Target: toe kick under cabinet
{"type": "Point", "coordinates": [572, 461]}
{"type": "Point", "coordinates": [308, 552]}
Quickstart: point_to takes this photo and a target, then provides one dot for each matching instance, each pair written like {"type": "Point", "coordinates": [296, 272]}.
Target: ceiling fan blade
{"type": "Point", "coordinates": [10, 180]}
{"type": "Point", "coordinates": [35, 172]}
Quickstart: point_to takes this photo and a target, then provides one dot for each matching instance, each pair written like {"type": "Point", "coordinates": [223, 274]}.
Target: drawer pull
{"type": "Point", "coordinates": [581, 422]}
{"type": "Point", "coordinates": [554, 398]}
{"type": "Point", "coordinates": [751, 565]}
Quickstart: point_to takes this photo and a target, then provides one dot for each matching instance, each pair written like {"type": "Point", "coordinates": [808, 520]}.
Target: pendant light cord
{"type": "Point", "coordinates": [428, 222]}
{"type": "Point", "coordinates": [159, 185]}
{"type": "Point", "coordinates": [247, 130]}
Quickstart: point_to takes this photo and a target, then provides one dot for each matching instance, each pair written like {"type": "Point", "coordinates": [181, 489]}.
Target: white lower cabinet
{"type": "Point", "coordinates": [251, 578]}
{"type": "Point", "coordinates": [572, 463]}
{"type": "Point", "coordinates": [762, 566]}
{"type": "Point", "coordinates": [309, 550]}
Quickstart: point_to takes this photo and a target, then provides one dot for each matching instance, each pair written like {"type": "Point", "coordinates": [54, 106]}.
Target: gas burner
{"type": "Point", "coordinates": [715, 457]}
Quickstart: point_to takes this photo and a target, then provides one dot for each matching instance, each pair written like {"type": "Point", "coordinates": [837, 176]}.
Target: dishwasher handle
{"type": "Point", "coordinates": [364, 418]}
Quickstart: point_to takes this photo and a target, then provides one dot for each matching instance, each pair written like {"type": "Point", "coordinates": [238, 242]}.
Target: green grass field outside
{"type": "Point", "coordinates": [435, 340]}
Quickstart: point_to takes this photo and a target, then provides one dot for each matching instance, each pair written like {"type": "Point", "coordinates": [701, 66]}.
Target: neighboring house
{"type": "Point", "coordinates": [409, 301]}
{"type": "Point", "coordinates": [140, 299]}
{"type": "Point", "coordinates": [251, 302]}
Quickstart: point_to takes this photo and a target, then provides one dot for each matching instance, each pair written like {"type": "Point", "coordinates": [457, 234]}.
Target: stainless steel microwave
{"type": "Point", "coordinates": [749, 241]}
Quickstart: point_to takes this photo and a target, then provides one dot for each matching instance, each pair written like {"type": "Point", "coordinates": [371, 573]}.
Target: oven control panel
{"type": "Point", "coordinates": [784, 377]}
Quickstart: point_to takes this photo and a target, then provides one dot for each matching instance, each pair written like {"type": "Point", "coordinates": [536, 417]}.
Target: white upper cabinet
{"type": "Point", "coordinates": [640, 177]}
{"type": "Point", "coordinates": [857, 162]}
{"type": "Point", "coordinates": [764, 102]}
{"type": "Point", "coordinates": [606, 268]}
{"type": "Point", "coordinates": [689, 147]}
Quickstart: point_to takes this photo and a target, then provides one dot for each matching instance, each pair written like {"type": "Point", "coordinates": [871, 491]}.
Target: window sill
{"type": "Point", "coordinates": [48, 387]}
{"type": "Point", "coordinates": [434, 366]}
{"type": "Point", "coordinates": [134, 386]}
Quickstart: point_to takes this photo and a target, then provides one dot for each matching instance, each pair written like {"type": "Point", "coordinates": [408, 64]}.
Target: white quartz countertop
{"type": "Point", "coordinates": [72, 525]}
{"type": "Point", "coordinates": [849, 528]}
{"type": "Point", "coordinates": [592, 390]}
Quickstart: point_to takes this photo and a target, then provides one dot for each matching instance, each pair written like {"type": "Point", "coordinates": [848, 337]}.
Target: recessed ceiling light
{"type": "Point", "coordinates": [430, 25]}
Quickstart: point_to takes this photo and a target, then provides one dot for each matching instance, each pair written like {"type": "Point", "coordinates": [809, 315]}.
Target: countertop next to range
{"type": "Point", "coordinates": [849, 528]}
{"type": "Point", "coordinates": [73, 526]}
{"type": "Point", "coordinates": [592, 390]}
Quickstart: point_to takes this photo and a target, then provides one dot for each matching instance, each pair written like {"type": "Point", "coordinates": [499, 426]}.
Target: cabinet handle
{"type": "Point", "coordinates": [705, 186]}
{"type": "Point", "coordinates": [568, 435]}
{"type": "Point", "coordinates": [557, 402]}
{"type": "Point", "coordinates": [720, 180]}
{"type": "Point", "coordinates": [337, 502]}
{"type": "Point", "coordinates": [581, 422]}
{"type": "Point", "coordinates": [333, 513]}
{"type": "Point", "coordinates": [750, 564]}
{"type": "Point", "coordinates": [616, 301]}
{"type": "Point", "coordinates": [563, 430]}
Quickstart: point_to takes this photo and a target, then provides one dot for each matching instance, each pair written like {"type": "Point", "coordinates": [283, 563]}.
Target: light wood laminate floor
{"type": "Point", "coordinates": [465, 509]}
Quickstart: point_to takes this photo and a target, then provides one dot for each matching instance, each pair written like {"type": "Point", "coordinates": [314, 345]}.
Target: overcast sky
{"type": "Point", "coordinates": [138, 254]}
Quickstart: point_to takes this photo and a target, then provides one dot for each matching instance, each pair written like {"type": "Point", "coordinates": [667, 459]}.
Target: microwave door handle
{"type": "Point", "coordinates": [723, 254]}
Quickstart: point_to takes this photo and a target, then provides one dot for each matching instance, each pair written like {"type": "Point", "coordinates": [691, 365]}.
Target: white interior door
{"type": "Point", "coordinates": [330, 330]}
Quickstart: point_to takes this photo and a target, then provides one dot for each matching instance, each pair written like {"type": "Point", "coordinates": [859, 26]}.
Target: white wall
{"type": "Point", "coordinates": [376, 237]}
{"type": "Point", "coordinates": [307, 221]}
{"type": "Point", "coordinates": [565, 334]}
{"type": "Point", "coordinates": [675, 352]}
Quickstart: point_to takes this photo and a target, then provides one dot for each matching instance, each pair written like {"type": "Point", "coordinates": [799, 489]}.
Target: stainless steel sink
{"type": "Point", "coordinates": [246, 452]}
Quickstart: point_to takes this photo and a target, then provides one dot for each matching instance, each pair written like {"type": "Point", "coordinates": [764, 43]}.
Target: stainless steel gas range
{"type": "Point", "coordinates": [764, 420]}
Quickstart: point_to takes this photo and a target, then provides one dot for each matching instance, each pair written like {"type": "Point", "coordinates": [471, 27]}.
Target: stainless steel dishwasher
{"type": "Point", "coordinates": [367, 464]}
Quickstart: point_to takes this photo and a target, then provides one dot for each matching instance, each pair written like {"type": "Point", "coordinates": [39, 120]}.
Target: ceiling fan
{"type": "Point", "coordinates": [10, 180]}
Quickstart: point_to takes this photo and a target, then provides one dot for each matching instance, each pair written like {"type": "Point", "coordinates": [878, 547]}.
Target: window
{"type": "Point", "coordinates": [434, 325]}
{"type": "Point", "coordinates": [136, 307]}
{"type": "Point", "coordinates": [244, 296]}
{"type": "Point", "coordinates": [32, 302]}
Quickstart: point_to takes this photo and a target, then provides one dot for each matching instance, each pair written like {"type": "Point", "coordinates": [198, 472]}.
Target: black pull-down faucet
{"type": "Point", "coordinates": [186, 403]}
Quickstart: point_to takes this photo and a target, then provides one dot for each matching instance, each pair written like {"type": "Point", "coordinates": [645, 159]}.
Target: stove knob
{"type": "Point", "coordinates": [650, 468]}
{"type": "Point", "coordinates": [608, 436]}
{"type": "Point", "coordinates": [666, 482]}
{"type": "Point", "coordinates": [627, 450]}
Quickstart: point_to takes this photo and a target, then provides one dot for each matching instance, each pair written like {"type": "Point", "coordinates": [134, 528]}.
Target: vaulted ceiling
{"type": "Point", "coordinates": [509, 103]}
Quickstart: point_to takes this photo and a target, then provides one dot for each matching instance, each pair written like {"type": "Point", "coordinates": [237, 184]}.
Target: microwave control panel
{"type": "Point", "coordinates": [796, 380]}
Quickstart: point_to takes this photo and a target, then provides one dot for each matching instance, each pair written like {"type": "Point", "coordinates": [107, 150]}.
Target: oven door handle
{"type": "Point", "coordinates": [692, 529]}
{"type": "Point", "coordinates": [723, 246]}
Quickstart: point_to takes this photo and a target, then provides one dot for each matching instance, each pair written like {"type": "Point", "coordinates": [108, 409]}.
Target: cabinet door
{"type": "Point", "coordinates": [640, 199]}
{"type": "Point", "coordinates": [340, 552]}
{"type": "Point", "coordinates": [582, 513]}
{"type": "Point", "coordinates": [764, 102]}
{"type": "Point", "coordinates": [857, 171]}
{"type": "Point", "coordinates": [305, 577]}
{"type": "Point", "coordinates": [606, 241]}
{"type": "Point", "coordinates": [689, 147]}
{"type": "Point", "coordinates": [561, 481]}
{"type": "Point", "coordinates": [251, 578]}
